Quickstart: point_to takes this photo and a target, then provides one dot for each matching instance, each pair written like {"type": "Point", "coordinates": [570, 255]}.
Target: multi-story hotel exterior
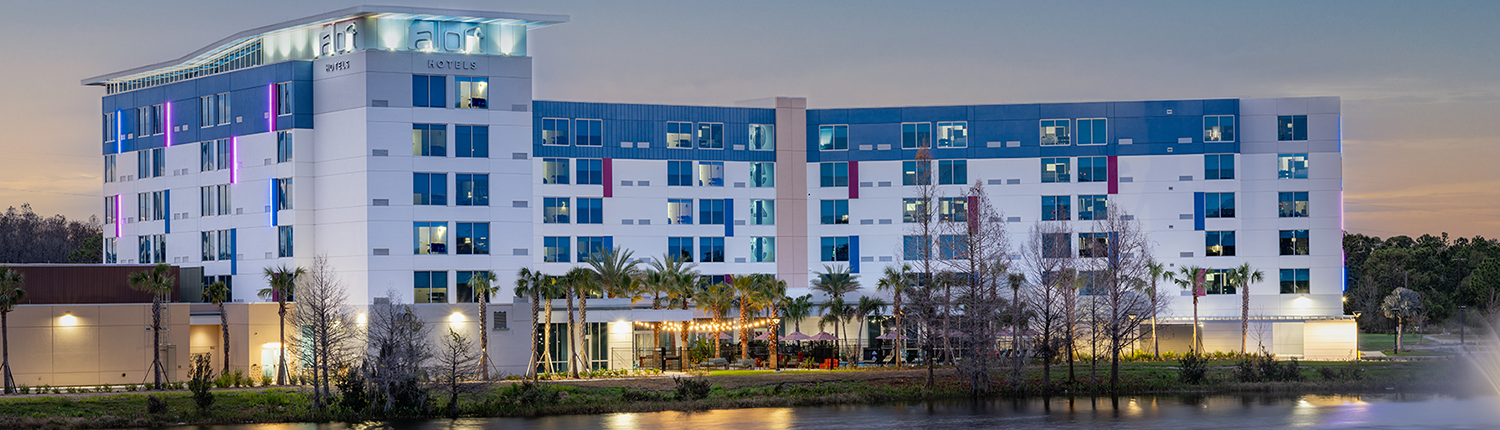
{"type": "Point", "coordinates": [306, 138]}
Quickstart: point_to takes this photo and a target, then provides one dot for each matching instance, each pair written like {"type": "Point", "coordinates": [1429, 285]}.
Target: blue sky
{"type": "Point", "coordinates": [1418, 80]}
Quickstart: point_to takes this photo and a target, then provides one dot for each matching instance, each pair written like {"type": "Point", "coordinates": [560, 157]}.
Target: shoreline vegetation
{"type": "Point", "coordinates": [725, 390]}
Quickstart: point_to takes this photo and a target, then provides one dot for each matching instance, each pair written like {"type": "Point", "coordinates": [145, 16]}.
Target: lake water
{"type": "Point", "coordinates": [1378, 411]}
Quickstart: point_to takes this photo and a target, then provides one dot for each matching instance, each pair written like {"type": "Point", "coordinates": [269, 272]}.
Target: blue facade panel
{"type": "Point", "coordinates": [728, 217]}
{"type": "Point", "coordinates": [249, 104]}
{"type": "Point", "coordinates": [648, 123]}
{"type": "Point", "coordinates": [1199, 209]}
{"type": "Point", "coordinates": [853, 254]}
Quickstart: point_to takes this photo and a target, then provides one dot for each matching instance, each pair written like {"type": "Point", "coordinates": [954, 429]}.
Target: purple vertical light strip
{"type": "Point", "coordinates": [119, 131]}
{"type": "Point", "coordinates": [170, 126]}
{"type": "Point", "coordinates": [119, 217]}
{"type": "Point", "coordinates": [234, 159]}
{"type": "Point", "coordinates": [273, 210]}
{"type": "Point", "coordinates": [271, 107]}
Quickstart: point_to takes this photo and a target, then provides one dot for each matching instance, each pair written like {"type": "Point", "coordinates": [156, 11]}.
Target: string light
{"type": "Point", "coordinates": [706, 327]}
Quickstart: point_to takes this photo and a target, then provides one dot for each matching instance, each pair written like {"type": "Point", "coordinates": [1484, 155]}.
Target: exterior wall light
{"type": "Point", "coordinates": [457, 317]}
{"type": "Point", "coordinates": [67, 320]}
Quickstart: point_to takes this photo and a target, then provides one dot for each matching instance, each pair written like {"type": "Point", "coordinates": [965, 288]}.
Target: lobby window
{"type": "Point", "coordinates": [471, 141]}
{"type": "Point", "coordinates": [555, 131]}
{"type": "Point", "coordinates": [590, 171]}
{"type": "Point", "coordinates": [710, 135]}
{"type": "Point", "coordinates": [1295, 281]}
{"type": "Point", "coordinates": [762, 137]}
{"type": "Point", "coordinates": [679, 211]}
{"type": "Point", "coordinates": [555, 171]}
{"type": "Point", "coordinates": [588, 247]}
{"type": "Point", "coordinates": [590, 132]}
{"type": "Point", "coordinates": [762, 212]}
{"type": "Point", "coordinates": [473, 238]}
{"type": "Point", "coordinates": [1093, 169]}
{"type": "Point", "coordinates": [284, 241]}
{"type": "Point", "coordinates": [833, 137]}
{"type": "Point", "coordinates": [473, 189]}
{"type": "Point", "coordinates": [110, 168]}
{"type": "Point", "coordinates": [914, 210]}
{"type": "Point", "coordinates": [953, 209]}
{"type": "Point", "coordinates": [1294, 242]}
{"type": "Point", "coordinates": [1218, 128]}
{"type": "Point", "coordinates": [679, 173]}
{"type": "Point", "coordinates": [1218, 166]}
{"type": "Point", "coordinates": [430, 189]}
{"type": "Point", "coordinates": [680, 248]}
{"type": "Point", "coordinates": [283, 98]}
{"type": "Point", "coordinates": [710, 250]}
{"type": "Point", "coordinates": [429, 140]}
{"type": "Point", "coordinates": [429, 91]}
{"type": "Point", "coordinates": [590, 210]}
{"type": "Point", "coordinates": [1056, 170]}
{"type": "Point", "coordinates": [953, 134]}
{"type": "Point", "coordinates": [916, 172]}
{"type": "Point", "coordinates": [1091, 131]}
{"type": "Point", "coordinates": [834, 211]}
{"type": "Point", "coordinates": [1093, 207]}
{"type": "Point", "coordinates": [762, 174]}
{"type": "Point", "coordinates": [1291, 127]}
{"type": "Point", "coordinates": [762, 250]}
{"type": "Point", "coordinates": [680, 135]}
{"type": "Point", "coordinates": [952, 247]}
{"type": "Point", "coordinates": [834, 248]}
{"type": "Point", "coordinates": [711, 211]}
{"type": "Point", "coordinates": [915, 248]}
{"type": "Point", "coordinates": [1291, 166]}
{"type": "Point", "coordinates": [473, 92]}
{"type": "Point", "coordinates": [1054, 132]}
{"type": "Point", "coordinates": [1216, 281]}
{"type": "Point", "coordinates": [1218, 205]}
{"type": "Point", "coordinates": [711, 173]}
{"type": "Point", "coordinates": [1056, 208]}
{"type": "Point", "coordinates": [283, 146]}
{"type": "Point", "coordinates": [556, 249]}
{"type": "Point", "coordinates": [430, 237]}
{"type": "Point", "coordinates": [953, 172]}
{"type": "Point", "coordinates": [430, 287]}
{"type": "Point", "coordinates": [916, 135]}
{"type": "Point", "coordinates": [1057, 245]}
{"type": "Point", "coordinates": [555, 210]}
{"type": "Point", "coordinates": [1093, 245]}
{"type": "Point", "coordinates": [1218, 244]}
{"type": "Point", "coordinates": [466, 292]}
{"type": "Point", "coordinates": [1292, 204]}
{"type": "Point", "coordinates": [284, 190]}
{"type": "Point", "coordinates": [833, 174]}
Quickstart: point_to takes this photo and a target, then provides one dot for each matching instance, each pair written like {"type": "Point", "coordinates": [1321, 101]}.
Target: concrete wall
{"type": "Point", "coordinates": [93, 344]}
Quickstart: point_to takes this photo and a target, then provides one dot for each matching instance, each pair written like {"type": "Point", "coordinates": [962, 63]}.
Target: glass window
{"type": "Point", "coordinates": [762, 137]}
{"type": "Point", "coordinates": [1056, 208]}
{"type": "Point", "coordinates": [711, 250]}
{"type": "Point", "coordinates": [833, 137]}
{"type": "Point", "coordinates": [224, 108]}
{"type": "Point", "coordinates": [283, 146]}
{"type": "Point", "coordinates": [555, 210]}
{"type": "Point", "coordinates": [1093, 169]}
{"type": "Point", "coordinates": [1092, 245]}
{"type": "Point", "coordinates": [473, 238]}
{"type": "Point", "coordinates": [556, 249]}
{"type": "Point", "coordinates": [914, 210]}
{"type": "Point", "coordinates": [1218, 128]}
{"type": "Point", "coordinates": [1291, 127]}
{"type": "Point", "coordinates": [1294, 242]}
{"type": "Point", "coordinates": [1056, 170]}
{"type": "Point", "coordinates": [916, 172]}
{"type": "Point", "coordinates": [207, 110]}
{"type": "Point", "coordinates": [144, 249]}
{"type": "Point", "coordinates": [226, 244]}
{"type": "Point", "coordinates": [1054, 132]}
{"type": "Point", "coordinates": [953, 209]}
{"type": "Point", "coordinates": [158, 162]}
{"type": "Point", "coordinates": [223, 147]}
{"type": "Point", "coordinates": [680, 135]}
{"type": "Point", "coordinates": [711, 211]}
{"type": "Point", "coordinates": [1218, 166]}
{"type": "Point", "coordinates": [1216, 281]}
{"type": "Point", "coordinates": [159, 205]}
{"type": "Point", "coordinates": [466, 292]}
{"type": "Point", "coordinates": [588, 247]}
{"type": "Point", "coordinates": [283, 193]}
{"type": "Point", "coordinates": [429, 189]}
{"type": "Point", "coordinates": [590, 171]}
{"type": "Point", "coordinates": [210, 245]}
{"type": "Point", "coordinates": [429, 91]}
{"type": "Point", "coordinates": [1057, 245]}
{"type": "Point", "coordinates": [711, 173]}
{"type": "Point", "coordinates": [679, 211]}
{"type": "Point", "coordinates": [710, 135]}
{"type": "Point", "coordinates": [1093, 207]}
{"type": "Point", "coordinates": [953, 134]}
{"type": "Point", "coordinates": [952, 247]}
{"type": "Point", "coordinates": [834, 211]}
{"type": "Point", "coordinates": [953, 172]}
{"type": "Point", "coordinates": [143, 164]}
{"type": "Point", "coordinates": [109, 209]}
{"type": "Point", "coordinates": [1218, 205]}
{"type": "Point", "coordinates": [555, 171]}
{"type": "Point", "coordinates": [206, 156]}
{"type": "Point", "coordinates": [916, 135]}
{"type": "Point", "coordinates": [1091, 131]}
{"type": "Point", "coordinates": [590, 132]}
{"type": "Point", "coordinates": [590, 210]}
{"type": "Point", "coordinates": [915, 248]}
{"type": "Point", "coordinates": [284, 241]}
{"type": "Point", "coordinates": [833, 174]}
{"type": "Point", "coordinates": [762, 250]}
{"type": "Point", "coordinates": [1295, 281]}
{"type": "Point", "coordinates": [835, 248]}
{"type": "Point", "coordinates": [762, 212]}
{"type": "Point", "coordinates": [111, 250]}
{"type": "Point", "coordinates": [680, 173]}
{"type": "Point", "coordinates": [555, 131]}
{"type": "Point", "coordinates": [1219, 244]}
{"type": "Point", "coordinates": [473, 189]}
{"type": "Point", "coordinates": [1293, 204]}
{"type": "Point", "coordinates": [471, 141]}
{"type": "Point", "coordinates": [429, 140]}
{"type": "Point", "coordinates": [681, 248]}
{"type": "Point", "coordinates": [283, 98]}
{"type": "Point", "coordinates": [473, 92]}
{"type": "Point", "coordinates": [430, 237]}
{"type": "Point", "coordinates": [430, 287]}
{"type": "Point", "coordinates": [224, 199]}
{"type": "Point", "coordinates": [1291, 166]}
{"type": "Point", "coordinates": [762, 175]}
{"type": "Point", "coordinates": [207, 200]}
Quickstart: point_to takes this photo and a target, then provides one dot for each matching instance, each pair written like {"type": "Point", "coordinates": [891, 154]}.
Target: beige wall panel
{"type": "Point", "coordinates": [1330, 340]}
{"type": "Point", "coordinates": [30, 316]}
{"type": "Point", "coordinates": [125, 349]}
{"type": "Point", "coordinates": [75, 349]}
{"type": "Point", "coordinates": [30, 350]}
{"type": "Point", "coordinates": [137, 315]}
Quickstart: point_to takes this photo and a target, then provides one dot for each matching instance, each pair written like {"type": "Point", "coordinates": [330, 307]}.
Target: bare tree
{"type": "Point", "coordinates": [329, 334]}
{"type": "Point", "coordinates": [456, 364]}
{"type": "Point", "coordinates": [1123, 255]}
{"type": "Point", "coordinates": [1049, 260]}
{"type": "Point", "coordinates": [976, 246]}
{"type": "Point", "coordinates": [398, 350]}
{"type": "Point", "coordinates": [923, 229]}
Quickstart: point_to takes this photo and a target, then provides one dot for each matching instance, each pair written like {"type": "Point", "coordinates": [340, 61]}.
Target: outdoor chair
{"type": "Point", "coordinates": [715, 362]}
{"type": "Point", "coordinates": [744, 363]}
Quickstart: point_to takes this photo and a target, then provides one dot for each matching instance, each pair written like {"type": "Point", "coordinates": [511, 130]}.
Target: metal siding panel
{"type": "Point", "coordinates": [1198, 211]}
{"type": "Point", "coordinates": [1007, 112]}
{"type": "Point", "coordinates": [853, 254]}
{"type": "Point", "coordinates": [728, 217]}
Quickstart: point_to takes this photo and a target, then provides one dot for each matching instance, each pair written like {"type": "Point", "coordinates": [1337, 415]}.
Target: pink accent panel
{"type": "Point", "coordinates": [1114, 174]}
{"type": "Point", "coordinates": [609, 183]}
{"type": "Point", "coordinates": [853, 179]}
{"type": "Point", "coordinates": [972, 207]}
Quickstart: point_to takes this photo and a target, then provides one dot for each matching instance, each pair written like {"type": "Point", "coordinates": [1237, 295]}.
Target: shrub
{"type": "Point", "coordinates": [351, 385]}
{"type": "Point", "coordinates": [1193, 368]}
{"type": "Point", "coordinates": [202, 374]}
{"type": "Point", "coordinates": [634, 395]}
{"type": "Point", "coordinates": [129, 387]}
{"type": "Point", "coordinates": [156, 404]}
{"type": "Point", "coordinates": [691, 388]}
{"type": "Point", "coordinates": [265, 381]}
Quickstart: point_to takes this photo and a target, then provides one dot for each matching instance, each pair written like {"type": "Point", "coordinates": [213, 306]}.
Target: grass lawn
{"type": "Point", "coordinates": [1381, 342]}
{"type": "Point", "coordinates": [1416, 353]}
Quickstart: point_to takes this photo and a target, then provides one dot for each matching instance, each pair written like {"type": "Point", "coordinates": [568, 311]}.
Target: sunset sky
{"type": "Point", "coordinates": [1418, 79]}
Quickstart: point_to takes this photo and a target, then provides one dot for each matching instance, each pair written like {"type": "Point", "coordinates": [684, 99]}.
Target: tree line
{"type": "Point", "coordinates": [26, 237]}
{"type": "Point", "coordinates": [1446, 273]}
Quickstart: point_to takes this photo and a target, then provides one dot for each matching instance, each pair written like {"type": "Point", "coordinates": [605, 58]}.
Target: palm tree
{"type": "Point", "coordinates": [866, 308]}
{"type": "Point", "coordinates": [11, 294]}
{"type": "Point", "coordinates": [746, 286]}
{"type": "Point", "coordinates": [549, 288]}
{"type": "Point", "coordinates": [283, 281]}
{"type": "Point", "coordinates": [682, 284]}
{"type": "Point", "coordinates": [798, 309]}
{"type": "Point", "coordinates": [1192, 280]}
{"type": "Point", "coordinates": [579, 282]}
{"type": "Point", "coordinates": [158, 281]}
{"type": "Point", "coordinates": [528, 285]}
{"type": "Point", "coordinates": [771, 293]}
{"type": "Point", "coordinates": [655, 283]}
{"type": "Point", "coordinates": [483, 284]}
{"type": "Point", "coordinates": [835, 311]}
{"type": "Point", "coordinates": [1242, 277]}
{"type": "Point", "coordinates": [1156, 271]}
{"type": "Point", "coordinates": [616, 270]}
{"type": "Point", "coordinates": [716, 300]}
{"type": "Point", "coordinates": [896, 280]}
{"type": "Point", "coordinates": [835, 281]}
{"type": "Point", "coordinates": [218, 294]}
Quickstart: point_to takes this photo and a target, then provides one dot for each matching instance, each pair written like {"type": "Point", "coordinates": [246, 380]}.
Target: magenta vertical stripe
{"type": "Point", "coordinates": [853, 179]}
{"type": "Point", "coordinates": [1114, 174]}
{"type": "Point", "coordinates": [972, 207]}
{"type": "Point", "coordinates": [609, 183]}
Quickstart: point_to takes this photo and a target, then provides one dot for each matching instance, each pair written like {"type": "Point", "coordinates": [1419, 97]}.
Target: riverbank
{"type": "Point", "coordinates": [721, 390]}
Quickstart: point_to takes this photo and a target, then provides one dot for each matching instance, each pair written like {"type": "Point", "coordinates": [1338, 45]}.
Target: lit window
{"type": "Point", "coordinates": [1056, 208]}
{"type": "Point", "coordinates": [711, 173]}
{"type": "Point", "coordinates": [953, 134]}
{"type": "Point", "coordinates": [1093, 207]}
{"type": "Point", "coordinates": [555, 210]}
{"type": "Point", "coordinates": [1291, 166]}
{"type": "Point", "coordinates": [916, 172]}
{"type": "Point", "coordinates": [1216, 281]}
{"type": "Point", "coordinates": [1292, 204]}
{"type": "Point", "coordinates": [1294, 242]}
{"type": "Point", "coordinates": [556, 249]}
{"type": "Point", "coordinates": [953, 209]}
{"type": "Point", "coordinates": [913, 210]}
{"type": "Point", "coordinates": [762, 137]}
{"type": "Point", "coordinates": [1054, 132]}
{"type": "Point", "coordinates": [473, 93]}
{"type": "Point", "coordinates": [1291, 127]}
{"type": "Point", "coordinates": [430, 237]}
{"type": "Point", "coordinates": [555, 131]}
{"type": "Point", "coordinates": [680, 135]}
{"type": "Point", "coordinates": [555, 171]}
{"type": "Point", "coordinates": [1218, 128]}
{"type": "Point", "coordinates": [429, 140]}
{"type": "Point", "coordinates": [1219, 244]}
{"type": "Point", "coordinates": [1056, 170]}
{"type": "Point", "coordinates": [679, 211]}
{"type": "Point", "coordinates": [1091, 245]}
{"type": "Point", "coordinates": [710, 135]}
{"type": "Point", "coordinates": [833, 137]}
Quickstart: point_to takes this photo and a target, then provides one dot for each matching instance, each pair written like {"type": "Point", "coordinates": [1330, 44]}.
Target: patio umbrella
{"type": "Point", "coordinates": [890, 335]}
{"type": "Point", "coordinates": [723, 335]}
{"type": "Point", "coordinates": [823, 336]}
{"type": "Point", "coordinates": [764, 336]}
{"type": "Point", "coordinates": [796, 336]}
